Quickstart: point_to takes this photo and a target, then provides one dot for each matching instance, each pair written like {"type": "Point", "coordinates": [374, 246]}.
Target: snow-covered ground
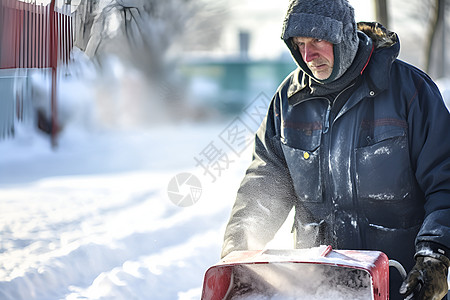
{"type": "Point", "coordinates": [93, 220]}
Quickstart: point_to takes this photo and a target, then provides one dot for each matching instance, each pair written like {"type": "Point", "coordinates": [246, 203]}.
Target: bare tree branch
{"type": "Point", "coordinates": [142, 32]}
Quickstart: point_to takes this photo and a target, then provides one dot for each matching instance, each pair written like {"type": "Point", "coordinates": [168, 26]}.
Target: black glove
{"type": "Point", "coordinates": [427, 280]}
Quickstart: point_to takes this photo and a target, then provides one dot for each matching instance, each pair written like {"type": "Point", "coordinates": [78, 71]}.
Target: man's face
{"type": "Point", "coordinates": [317, 54]}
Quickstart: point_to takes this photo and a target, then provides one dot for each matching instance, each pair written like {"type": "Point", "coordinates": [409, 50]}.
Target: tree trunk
{"type": "Point", "coordinates": [382, 12]}
{"type": "Point", "coordinates": [436, 21]}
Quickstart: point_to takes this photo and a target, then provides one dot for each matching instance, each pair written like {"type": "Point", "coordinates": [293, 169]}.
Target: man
{"type": "Point", "coordinates": [358, 142]}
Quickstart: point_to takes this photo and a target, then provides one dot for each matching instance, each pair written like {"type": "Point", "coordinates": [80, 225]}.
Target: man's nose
{"type": "Point", "coordinates": [310, 53]}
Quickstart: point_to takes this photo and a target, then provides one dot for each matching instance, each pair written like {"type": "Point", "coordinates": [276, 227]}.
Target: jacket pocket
{"type": "Point", "coordinates": [383, 169]}
{"type": "Point", "coordinates": [304, 167]}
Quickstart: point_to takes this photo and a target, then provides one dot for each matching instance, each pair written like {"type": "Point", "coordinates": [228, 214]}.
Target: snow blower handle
{"type": "Point", "coordinates": [399, 267]}
{"type": "Point", "coordinates": [402, 271]}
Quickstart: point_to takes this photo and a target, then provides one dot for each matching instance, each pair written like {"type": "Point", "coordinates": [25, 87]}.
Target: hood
{"type": "Point", "coordinates": [387, 47]}
{"type": "Point", "coordinates": [332, 21]}
{"type": "Point", "coordinates": [378, 48]}
{"type": "Point", "coordinates": [380, 36]}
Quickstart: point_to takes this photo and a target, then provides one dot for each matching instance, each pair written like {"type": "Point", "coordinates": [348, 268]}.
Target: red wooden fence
{"type": "Point", "coordinates": [36, 36]}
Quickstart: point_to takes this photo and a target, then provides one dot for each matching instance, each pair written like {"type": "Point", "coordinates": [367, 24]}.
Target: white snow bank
{"type": "Point", "coordinates": [93, 220]}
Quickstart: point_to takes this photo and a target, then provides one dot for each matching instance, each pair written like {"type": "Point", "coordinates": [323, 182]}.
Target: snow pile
{"type": "Point", "coordinates": [93, 220]}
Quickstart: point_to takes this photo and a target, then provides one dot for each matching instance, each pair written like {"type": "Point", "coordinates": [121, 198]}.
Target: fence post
{"type": "Point", "coordinates": [35, 36]}
{"type": "Point", "coordinates": [53, 64]}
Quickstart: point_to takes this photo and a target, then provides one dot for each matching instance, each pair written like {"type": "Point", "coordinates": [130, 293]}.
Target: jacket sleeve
{"type": "Point", "coordinates": [429, 135]}
{"type": "Point", "coordinates": [265, 196]}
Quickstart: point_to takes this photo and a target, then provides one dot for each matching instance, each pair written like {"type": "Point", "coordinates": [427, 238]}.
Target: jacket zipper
{"type": "Point", "coordinates": [326, 168]}
{"type": "Point", "coordinates": [309, 99]}
{"type": "Point", "coordinates": [326, 125]}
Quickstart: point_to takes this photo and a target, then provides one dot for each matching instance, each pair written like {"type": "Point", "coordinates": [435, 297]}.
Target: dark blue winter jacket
{"type": "Point", "coordinates": [369, 169]}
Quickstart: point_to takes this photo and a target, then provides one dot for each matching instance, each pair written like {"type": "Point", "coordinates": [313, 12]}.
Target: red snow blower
{"type": "Point", "coordinates": [316, 273]}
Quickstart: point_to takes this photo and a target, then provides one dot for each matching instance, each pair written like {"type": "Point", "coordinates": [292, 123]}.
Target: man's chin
{"type": "Point", "coordinates": [321, 73]}
{"type": "Point", "coordinates": [322, 76]}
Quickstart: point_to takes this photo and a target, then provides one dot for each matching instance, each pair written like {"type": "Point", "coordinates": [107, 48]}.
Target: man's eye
{"type": "Point", "coordinates": [319, 40]}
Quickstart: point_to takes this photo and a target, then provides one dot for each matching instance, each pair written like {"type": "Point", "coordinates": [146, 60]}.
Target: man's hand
{"type": "Point", "coordinates": [427, 280]}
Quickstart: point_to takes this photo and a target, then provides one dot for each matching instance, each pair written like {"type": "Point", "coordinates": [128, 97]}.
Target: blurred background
{"type": "Point", "coordinates": [107, 106]}
{"type": "Point", "coordinates": [143, 63]}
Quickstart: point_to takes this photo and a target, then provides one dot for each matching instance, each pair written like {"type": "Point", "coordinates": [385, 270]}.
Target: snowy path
{"type": "Point", "coordinates": [112, 232]}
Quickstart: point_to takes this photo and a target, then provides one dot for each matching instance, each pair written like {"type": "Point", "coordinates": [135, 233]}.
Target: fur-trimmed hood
{"type": "Point", "coordinates": [386, 46]}
{"type": "Point", "coordinates": [380, 36]}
